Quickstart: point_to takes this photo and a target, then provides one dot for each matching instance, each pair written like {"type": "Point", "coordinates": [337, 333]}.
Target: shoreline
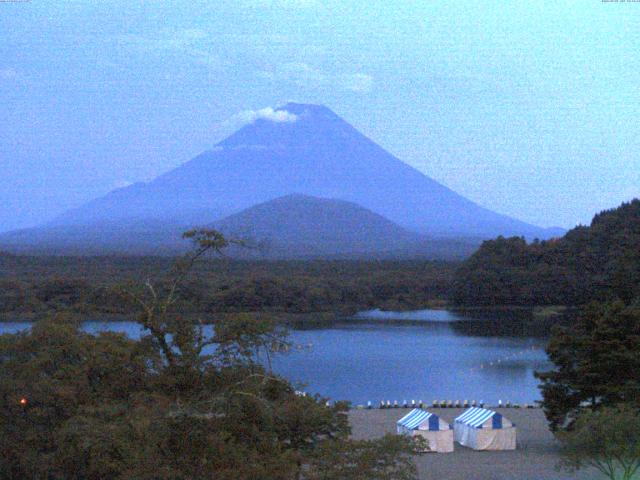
{"type": "Point", "coordinates": [538, 312]}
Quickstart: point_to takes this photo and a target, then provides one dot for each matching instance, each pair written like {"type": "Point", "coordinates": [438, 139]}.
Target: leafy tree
{"type": "Point", "coordinates": [47, 377]}
{"type": "Point", "coordinates": [180, 403]}
{"type": "Point", "coordinates": [388, 458]}
{"type": "Point", "coordinates": [596, 360]}
{"type": "Point", "coordinates": [607, 439]}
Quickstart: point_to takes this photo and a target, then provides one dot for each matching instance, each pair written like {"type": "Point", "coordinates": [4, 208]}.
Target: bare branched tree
{"type": "Point", "coordinates": [157, 303]}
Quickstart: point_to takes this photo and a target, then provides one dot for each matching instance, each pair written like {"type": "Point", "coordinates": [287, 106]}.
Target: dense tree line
{"type": "Point", "coordinates": [596, 262]}
{"type": "Point", "coordinates": [33, 286]}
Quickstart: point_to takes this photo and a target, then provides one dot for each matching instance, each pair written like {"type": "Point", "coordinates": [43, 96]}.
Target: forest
{"type": "Point", "coordinates": [31, 287]}
{"type": "Point", "coordinates": [599, 262]}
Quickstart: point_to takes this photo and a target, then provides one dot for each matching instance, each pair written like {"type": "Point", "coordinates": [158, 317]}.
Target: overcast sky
{"type": "Point", "coordinates": [528, 108]}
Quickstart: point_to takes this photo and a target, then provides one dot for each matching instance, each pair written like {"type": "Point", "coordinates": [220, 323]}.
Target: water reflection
{"type": "Point", "coordinates": [485, 322]}
{"type": "Point", "coordinates": [415, 360]}
{"type": "Point", "coordinates": [427, 315]}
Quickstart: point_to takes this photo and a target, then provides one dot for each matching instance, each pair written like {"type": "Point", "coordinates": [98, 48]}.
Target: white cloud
{"type": "Point", "coordinates": [304, 75]}
{"type": "Point", "coordinates": [267, 113]}
{"type": "Point", "coordinates": [249, 116]}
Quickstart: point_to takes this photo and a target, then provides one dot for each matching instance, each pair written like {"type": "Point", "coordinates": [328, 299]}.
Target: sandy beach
{"type": "Point", "coordinates": [535, 458]}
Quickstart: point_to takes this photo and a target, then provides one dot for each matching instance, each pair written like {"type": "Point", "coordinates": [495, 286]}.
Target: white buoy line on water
{"type": "Point", "coordinates": [513, 356]}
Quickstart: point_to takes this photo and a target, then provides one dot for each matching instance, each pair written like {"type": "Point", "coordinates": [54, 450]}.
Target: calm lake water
{"type": "Point", "coordinates": [423, 355]}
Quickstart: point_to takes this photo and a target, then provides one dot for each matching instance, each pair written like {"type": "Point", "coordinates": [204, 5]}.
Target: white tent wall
{"type": "Point", "coordinates": [486, 438]}
{"type": "Point", "coordinates": [465, 435]}
{"type": "Point", "coordinates": [437, 432]}
{"type": "Point", "coordinates": [496, 433]}
{"type": "Point", "coordinates": [440, 442]}
{"type": "Point", "coordinates": [489, 439]}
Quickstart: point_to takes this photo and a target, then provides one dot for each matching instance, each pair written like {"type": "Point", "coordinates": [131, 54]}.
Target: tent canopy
{"type": "Point", "coordinates": [483, 429]}
{"type": "Point", "coordinates": [419, 419]}
{"type": "Point", "coordinates": [437, 432]}
{"type": "Point", "coordinates": [478, 418]}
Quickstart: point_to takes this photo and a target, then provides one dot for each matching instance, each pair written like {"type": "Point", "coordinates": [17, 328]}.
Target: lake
{"type": "Point", "coordinates": [424, 355]}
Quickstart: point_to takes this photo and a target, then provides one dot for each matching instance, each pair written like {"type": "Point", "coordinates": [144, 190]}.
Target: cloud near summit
{"type": "Point", "coordinates": [267, 113]}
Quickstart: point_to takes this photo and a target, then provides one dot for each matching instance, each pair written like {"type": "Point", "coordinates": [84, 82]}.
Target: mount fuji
{"type": "Point", "coordinates": [299, 149]}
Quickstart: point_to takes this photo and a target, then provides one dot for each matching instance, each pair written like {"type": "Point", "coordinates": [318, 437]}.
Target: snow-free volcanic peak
{"type": "Point", "coordinates": [318, 154]}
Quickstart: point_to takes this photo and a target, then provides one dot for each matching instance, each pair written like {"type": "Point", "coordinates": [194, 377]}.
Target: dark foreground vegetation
{"type": "Point", "coordinates": [92, 286]}
{"type": "Point", "coordinates": [176, 404]}
{"type": "Point", "coordinates": [592, 397]}
{"type": "Point", "coordinates": [599, 262]}
{"type": "Point", "coordinates": [597, 362]}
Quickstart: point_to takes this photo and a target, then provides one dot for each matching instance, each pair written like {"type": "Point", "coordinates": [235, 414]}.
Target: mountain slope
{"type": "Point", "coordinates": [135, 237]}
{"type": "Point", "coordinates": [304, 226]}
{"type": "Point", "coordinates": [322, 225]}
{"type": "Point", "coordinates": [293, 226]}
{"type": "Point", "coordinates": [316, 153]}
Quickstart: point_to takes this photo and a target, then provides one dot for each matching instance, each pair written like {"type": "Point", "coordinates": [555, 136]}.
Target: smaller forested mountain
{"type": "Point", "coordinates": [596, 262]}
{"type": "Point", "coordinates": [316, 225]}
{"type": "Point", "coordinates": [303, 226]}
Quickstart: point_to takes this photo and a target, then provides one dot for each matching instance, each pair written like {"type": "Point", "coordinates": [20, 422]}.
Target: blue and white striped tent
{"type": "Point", "coordinates": [418, 419]}
{"type": "Point", "coordinates": [484, 429]}
{"type": "Point", "coordinates": [436, 432]}
{"type": "Point", "coordinates": [476, 417]}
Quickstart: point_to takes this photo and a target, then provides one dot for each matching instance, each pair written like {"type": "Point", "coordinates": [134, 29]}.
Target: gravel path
{"type": "Point", "coordinates": [535, 458]}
